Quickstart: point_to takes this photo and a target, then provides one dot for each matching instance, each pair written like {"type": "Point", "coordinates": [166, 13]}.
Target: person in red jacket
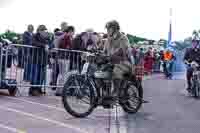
{"type": "Point", "coordinates": [148, 61]}
{"type": "Point", "coordinates": [65, 42]}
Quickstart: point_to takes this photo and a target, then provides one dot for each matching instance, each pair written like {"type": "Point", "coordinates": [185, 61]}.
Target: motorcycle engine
{"type": "Point", "coordinates": [104, 85]}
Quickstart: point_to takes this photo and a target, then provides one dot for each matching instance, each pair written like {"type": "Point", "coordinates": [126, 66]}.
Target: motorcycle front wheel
{"type": "Point", "coordinates": [195, 89]}
{"type": "Point", "coordinates": [78, 97]}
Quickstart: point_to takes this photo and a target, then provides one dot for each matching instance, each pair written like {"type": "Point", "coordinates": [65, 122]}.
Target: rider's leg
{"type": "Point", "coordinates": [165, 68]}
{"type": "Point", "coordinates": [189, 76]}
{"type": "Point", "coordinates": [170, 69]}
{"type": "Point", "coordinates": [118, 77]}
{"type": "Point", "coordinates": [116, 87]}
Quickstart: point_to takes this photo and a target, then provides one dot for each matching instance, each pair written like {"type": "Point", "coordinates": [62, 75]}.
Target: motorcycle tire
{"type": "Point", "coordinates": [196, 90]}
{"type": "Point", "coordinates": [67, 93]}
{"type": "Point", "coordinates": [126, 105]}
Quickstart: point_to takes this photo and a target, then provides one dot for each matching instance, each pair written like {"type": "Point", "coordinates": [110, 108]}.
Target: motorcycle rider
{"type": "Point", "coordinates": [192, 54]}
{"type": "Point", "coordinates": [116, 47]}
{"type": "Point", "coordinates": [168, 57]}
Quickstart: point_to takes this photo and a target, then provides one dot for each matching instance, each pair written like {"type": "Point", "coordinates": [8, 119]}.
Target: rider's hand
{"type": "Point", "coordinates": [186, 62]}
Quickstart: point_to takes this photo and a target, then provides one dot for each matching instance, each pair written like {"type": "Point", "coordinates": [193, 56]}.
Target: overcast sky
{"type": "Point", "coordinates": [146, 18]}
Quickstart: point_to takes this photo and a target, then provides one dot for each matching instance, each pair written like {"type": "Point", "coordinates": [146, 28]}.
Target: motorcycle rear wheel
{"type": "Point", "coordinates": [133, 93]}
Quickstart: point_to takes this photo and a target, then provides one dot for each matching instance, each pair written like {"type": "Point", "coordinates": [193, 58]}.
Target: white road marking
{"type": "Point", "coordinates": [56, 98]}
{"type": "Point", "coordinates": [12, 129]}
{"type": "Point", "coordinates": [43, 119]}
{"type": "Point", "coordinates": [36, 103]}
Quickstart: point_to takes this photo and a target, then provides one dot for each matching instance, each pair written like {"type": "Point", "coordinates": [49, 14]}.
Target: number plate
{"type": "Point", "coordinates": [85, 68]}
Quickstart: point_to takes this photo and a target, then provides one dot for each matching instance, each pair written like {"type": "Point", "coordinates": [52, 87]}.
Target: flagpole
{"type": "Point", "coordinates": [170, 28]}
{"type": "Point", "coordinates": [170, 14]}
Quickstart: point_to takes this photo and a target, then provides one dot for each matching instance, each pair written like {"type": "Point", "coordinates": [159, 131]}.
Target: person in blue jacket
{"type": "Point", "coordinates": [27, 40]}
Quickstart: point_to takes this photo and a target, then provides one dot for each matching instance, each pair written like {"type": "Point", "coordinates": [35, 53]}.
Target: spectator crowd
{"type": "Point", "coordinates": [61, 62]}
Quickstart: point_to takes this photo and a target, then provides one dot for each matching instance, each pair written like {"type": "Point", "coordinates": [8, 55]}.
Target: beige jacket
{"type": "Point", "coordinates": [117, 48]}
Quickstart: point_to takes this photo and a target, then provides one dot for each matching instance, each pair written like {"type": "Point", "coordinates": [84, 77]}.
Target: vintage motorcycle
{"type": "Point", "coordinates": [94, 87]}
{"type": "Point", "coordinates": [195, 80]}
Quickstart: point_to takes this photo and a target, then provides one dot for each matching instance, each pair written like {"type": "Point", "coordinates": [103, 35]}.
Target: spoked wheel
{"type": "Point", "coordinates": [78, 97]}
{"type": "Point", "coordinates": [196, 90]}
{"type": "Point", "coordinates": [195, 87]}
{"type": "Point", "coordinates": [132, 98]}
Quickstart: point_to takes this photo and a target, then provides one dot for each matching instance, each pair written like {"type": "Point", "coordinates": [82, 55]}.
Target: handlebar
{"type": "Point", "coordinates": [97, 56]}
{"type": "Point", "coordinates": [193, 63]}
{"type": "Point", "coordinates": [95, 53]}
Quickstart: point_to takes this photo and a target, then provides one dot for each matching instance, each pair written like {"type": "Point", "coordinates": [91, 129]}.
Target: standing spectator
{"type": "Point", "coordinates": [28, 41]}
{"type": "Point", "coordinates": [156, 65]}
{"type": "Point", "coordinates": [59, 34]}
{"type": "Point", "coordinates": [54, 61]}
{"type": "Point", "coordinates": [161, 54]}
{"type": "Point", "coordinates": [39, 60]}
{"type": "Point", "coordinates": [3, 60]}
{"type": "Point", "coordinates": [134, 51]}
{"type": "Point", "coordinates": [102, 41]}
{"type": "Point", "coordinates": [148, 61]}
{"type": "Point", "coordinates": [84, 38]}
{"type": "Point", "coordinates": [91, 40]}
{"type": "Point", "coordinates": [64, 57]}
{"type": "Point", "coordinates": [64, 26]}
{"type": "Point", "coordinates": [79, 43]}
{"type": "Point", "coordinates": [139, 62]}
{"type": "Point", "coordinates": [96, 39]}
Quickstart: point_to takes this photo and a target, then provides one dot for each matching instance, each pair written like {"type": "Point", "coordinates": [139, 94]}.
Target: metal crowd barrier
{"type": "Point", "coordinates": [31, 66]}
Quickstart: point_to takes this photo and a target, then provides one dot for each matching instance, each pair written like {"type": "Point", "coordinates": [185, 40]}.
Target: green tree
{"type": "Point", "coordinates": [135, 39]}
